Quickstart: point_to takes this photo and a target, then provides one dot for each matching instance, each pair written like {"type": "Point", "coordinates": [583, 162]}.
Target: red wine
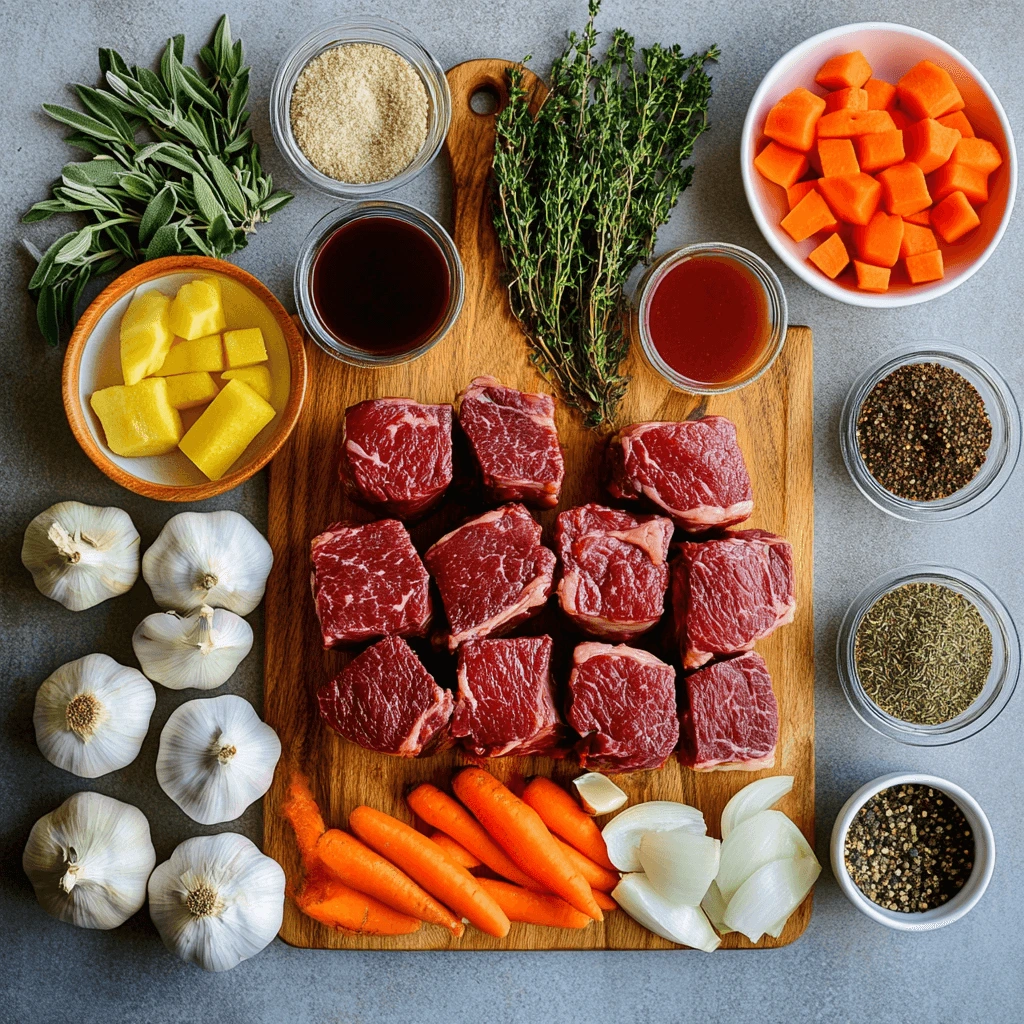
{"type": "Point", "coordinates": [381, 285]}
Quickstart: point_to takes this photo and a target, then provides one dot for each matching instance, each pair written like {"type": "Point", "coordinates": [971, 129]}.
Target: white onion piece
{"type": "Point", "coordinates": [777, 929]}
{"type": "Point", "coordinates": [679, 864]}
{"type": "Point", "coordinates": [753, 799]}
{"type": "Point", "coordinates": [770, 895]}
{"type": "Point", "coordinates": [599, 794]}
{"type": "Point", "coordinates": [714, 906]}
{"type": "Point", "coordinates": [767, 836]}
{"type": "Point", "coordinates": [676, 922]}
{"type": "Point", "coordinates": [623, 833]}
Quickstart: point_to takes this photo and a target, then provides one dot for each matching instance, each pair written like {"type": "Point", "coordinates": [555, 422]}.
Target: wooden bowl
{"type": "Point", "coordinates": [93, 361]}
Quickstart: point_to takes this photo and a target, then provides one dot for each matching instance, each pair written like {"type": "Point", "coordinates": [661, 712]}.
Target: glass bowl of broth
{"type": "Point", "coordinates": [710, 318]}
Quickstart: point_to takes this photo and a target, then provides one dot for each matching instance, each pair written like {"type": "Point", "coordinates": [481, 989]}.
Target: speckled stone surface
{"type": "Point", "coordinates": [844, 968]}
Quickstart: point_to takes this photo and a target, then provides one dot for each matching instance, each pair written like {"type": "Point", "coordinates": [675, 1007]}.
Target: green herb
{"type": "Point", "coordinates": [581, 190]}
{"type": "Point", "coordinates": [174, 169]}
{"type": "Point", "coordinates": [909, 849]}
{"type": "Point", "coordinates": [923, 653]}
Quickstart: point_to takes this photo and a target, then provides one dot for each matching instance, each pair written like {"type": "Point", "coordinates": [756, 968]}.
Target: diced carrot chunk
{"type": "Point", "coordinates": [837, 157]}
{"type": "Point", "coordinates": [782, 165]}
{"type": "Point", "coordinates": [791, 122]}
{"type": "Point", "coordinates": [796, 192]}
{"type": "Point", "coordinates": [929, 144]}
{"type": "Point", "coordinates": [881, 94]}
{"type": "Point", "coordinates": [950, 178]}
{"type": "Point", "coordinates": [899, 118]}
{"type": "Point", "coordinates": [958, 120]}
{"type": "Point", "coordinates": [924, 267]}
{"type": "Point", "coordinates": [871, 278]}
{"type": "Point", "coordinates": [922, 217]}
{"type": "Point", "coordinates": [846, 99]}
{"type": "Point", "coordinates": [845, 71]}
{"type": "Point", "coordinates": [878, 241]}
{"type": "Point", "coordinates": [954, 217]}
{"type": "Point", "coordinates": [808, 217]}
{"type": "Point", "coordinates": [904, 189]}
{"type": "Point", "coordinates": [844, 124]}
{"type": "Point", "coordinates": [977, 153]}
{"type": "Point", "coordinates": [853, 198]}
{"type": "Point", "coordinates": [880, 150]}
{"type": "Point", "coordinates": [927, 90]}
{"type": "Point", "coordinates": [916, 240]}
{"type": "Point", "coordinates": [831, 257]}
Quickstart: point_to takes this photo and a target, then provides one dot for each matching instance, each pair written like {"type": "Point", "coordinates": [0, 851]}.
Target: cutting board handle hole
{"type": "Point", "coordinates": [486, 99]}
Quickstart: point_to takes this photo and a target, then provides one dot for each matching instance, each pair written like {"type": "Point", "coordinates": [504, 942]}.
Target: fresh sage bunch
{"type": "Point", "coordinates": [174, 169]}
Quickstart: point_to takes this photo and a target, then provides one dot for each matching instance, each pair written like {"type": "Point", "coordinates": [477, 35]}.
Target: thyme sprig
{"type": "Point", "coordinates": [581, 190]}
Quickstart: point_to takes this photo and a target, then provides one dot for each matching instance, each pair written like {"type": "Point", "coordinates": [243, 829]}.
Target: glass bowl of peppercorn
{"type": "Point", "coordinates": [928, 655]}
{"type": "Point", "coordinates": [930, 434]}
{"type": "Point", "coordinates": [913, 852]}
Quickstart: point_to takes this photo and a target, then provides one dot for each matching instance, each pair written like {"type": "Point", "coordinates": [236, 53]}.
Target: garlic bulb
{"type": "Point", "coordinates": [216, 757]}
{"type": "Point", "coordinates": [92, 715]}
{"type": "Point", "coordinates": [80, 554]}
{"type": "Point", "coordinates": [89, 860]}
{"type": "Point", "coordinates": [217, 901]}
{"type": "Point", "coordinates": [214, 558]}
{"type": "Point", "coordinates": [201, 650]}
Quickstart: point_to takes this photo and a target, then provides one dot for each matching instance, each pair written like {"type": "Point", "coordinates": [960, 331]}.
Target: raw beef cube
{"type": "Point", "coordinates": [693, 470]}
{"type": "Point", "coordinates": [728, 593]}
{"type": "Point", "coordinates": [385, 700]}
{"type": "Point", "coordinates": [513, 438]}
{"type": "Point", "coordinates": [368, 582]}
{"type": "Point", "coordinates": [731, 719]}
{"type": "Point", "coordinates": [614, 570]}
{"type": "Point", "coordinates": [396, 456]}
{"type": "Point", "coordinates": [623, 704]}
{"type": "Point", "coordinates": [506, 699]}
{"type": "Point", "coordinates": [492, 572]}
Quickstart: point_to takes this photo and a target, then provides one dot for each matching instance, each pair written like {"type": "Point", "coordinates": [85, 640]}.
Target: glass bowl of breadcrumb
{"type": "Point", "coordinates": [359, 108]}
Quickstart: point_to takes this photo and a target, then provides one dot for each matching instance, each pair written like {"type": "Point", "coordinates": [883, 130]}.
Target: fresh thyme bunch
{"type": "Point", "coordinates": [193, 183]}
{"type": "Point", "coordinates": [581, 190]}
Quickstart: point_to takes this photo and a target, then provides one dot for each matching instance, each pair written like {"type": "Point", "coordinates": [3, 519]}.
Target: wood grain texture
{"type": "Point", "coordinates": [774, 422]}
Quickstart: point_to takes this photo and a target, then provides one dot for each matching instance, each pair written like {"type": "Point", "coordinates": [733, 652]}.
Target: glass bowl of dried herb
{"type": "Point", "coordinates": [913, 852]}
{"type": "Point", "coordinates": [931, 433]}
{"type": "Point", "coordinates": [928, 655]}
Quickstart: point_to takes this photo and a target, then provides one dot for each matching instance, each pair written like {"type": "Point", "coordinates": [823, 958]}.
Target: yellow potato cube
{"type": "Point", "coordinates": [257, 377]}
{"type": "Point", "coordinates": [187, 390]}
{"type": "Point", "coordinates": [197, 309]}
{"type": "Point", "coordinates": [138, 419]}
{"type": "Point", "coordinates": [243, 348]}
{"type": "Point", "coordinates": [225, 429]}
{"type": "Point", "coordinates": [199, 354]}
{"type": "Point", "coordinates": [146, 335]}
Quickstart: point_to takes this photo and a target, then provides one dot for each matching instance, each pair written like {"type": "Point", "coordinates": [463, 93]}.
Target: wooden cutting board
{"type": "Point", "coordinates": [774, 421]}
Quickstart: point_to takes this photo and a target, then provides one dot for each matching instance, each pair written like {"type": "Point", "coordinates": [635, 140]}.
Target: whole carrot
{"type": "Point", "coordinates": [597, 877]}
{"type": "Point", "coordinates": [532, 907]}
{"type": "Point", "coordinates": [456, 851]}
{"type": "Point", "coordinates": [560, 812]}
{"type": "Point", "coordinates": [429, 865]}
{"type": "Point", "coordinates": [519, 831]}
{"type": "Point", "coordinates": [603, 900]}
{"type": "Point", "coordinates": [336, 905]}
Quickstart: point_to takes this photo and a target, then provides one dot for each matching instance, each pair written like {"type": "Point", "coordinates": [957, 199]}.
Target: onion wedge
{"type": "Point", "coordinates": [770, 895]}
{"type": "Point", "coordinates": [767, 836]}
{"type": "Point", "coordinates": [679, 864]}
{"type": "Point", "coordinates": [623, 833]}
{"type": "Point", "coordinates": [598, 794]}
{"type": "Point", "coordinates": [676, 922]}
{"type": "Point", "coordinates": [714, 906]}
{"type": "Point", "coordinates": [753, 799]}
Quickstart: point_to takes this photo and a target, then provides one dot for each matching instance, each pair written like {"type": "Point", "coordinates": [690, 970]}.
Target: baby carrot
{"type": "Point", "coordinates": [560, 812]}
{"type": "Point", "coordinates": [429, 865]}
{"type": "Point", "coordinates": [456, 851]}
{"type": "Point", "coordinates": [534, 908]}
{"type": "Point", "coordinates": [336, 905]}
{"type": "Point", "coordinates": [597, 877]}
{"type": "Point", "coordinates": [603, 900]}
{"type": "Point", "coordinates": [518, 829]}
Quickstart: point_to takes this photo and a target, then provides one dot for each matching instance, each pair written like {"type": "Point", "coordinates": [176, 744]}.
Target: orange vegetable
{"type": "Point", "coordinates": [871, 278]}
{"type": "Point", "coordinates": [954, 217]}
{"type": "Point", "coordinates": [783, 166]}
{"type": "Point", "coordinates": [336, 905]}
{"type": "Point", "coordinates": [929, 144]}
{"type": "Point", "coordinates": [429, 865]}
{"type": "Point", "coordinates": [916, 240]}
{"type": "Point", "coordinates": [560, 811]}
{"type": "Point", "coordinates": [846, 99]}
{"type": "Point", "coordinates": [958, 120]}
{"type": "Point", "coordinates": [604, 901]}
{"type": "Point", "coordinates": [846, 71]}
{"type": "Point", "coordinates": [979, 154]}
{"type": "Point", "coordinates": [792, 120]}
{"type": "Point", "coordinates": [532, 907]}
{"type": "Point", "coordinates": [922, 217]}
{"type": "Point", "coordinates": [598, 877]}
{"type": "Point", "coordinates": [852, 197]}
{"type": "Point", "coordinates": [927, 90]}
{"type": "Point", "coordinates": [881, 94]}
{"type": "Point", "coordinates": [456, 851]}
{"type": "Point", "coordinates": [518, 829]}
{"type": "Point", "coordinates": [837, 156]}
{"type": "Point", "coordinates": [796, 192]}
{"type": "Point", "coordinates": [844, 124]}
{"type": "Point", "coordinates": [879, 240]}
{"type": "Point", "coordinates": [904, 189]}
{"type": "Point", "coordinates": [950, 178]}
{"type": "Point", "coordinates": [880, 150]}
{"type": "Point", "coordinates": [808, 217]}
{"type": "Point", "coordinates": [925, 266]}
{"type": "Point", "coordinates": [899, 118]}
{"type": "Point", "coordinates": [831, 257]}
{"type": "Point", "coordinates": [437, 808]}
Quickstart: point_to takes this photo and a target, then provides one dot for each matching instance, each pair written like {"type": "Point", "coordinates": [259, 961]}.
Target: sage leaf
{"type": "Point", "coordinates": [226, 184]}
{"type": "Point", "coordinates": [45, 270]}
{"type": "Point", "coordinates": [206, 200]}
{"type": "Point", "coordinates": [100, 172]}
{"type": "Point", "coordinates": [159, 211]}
{"type": "Point", "coordinates": [82, 122]}
{"type": "Point", "coordinates": [47, 315]}
{"type": "Point", "coordinates": [164, 243]}
{"type": "Point", "coordinates": [77, 247]}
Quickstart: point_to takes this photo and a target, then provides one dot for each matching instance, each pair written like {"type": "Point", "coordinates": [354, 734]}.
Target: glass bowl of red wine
{"type": "Point", "coordinates": [710, 318]}
{"type": "Point", "coordinates": [378, 283]}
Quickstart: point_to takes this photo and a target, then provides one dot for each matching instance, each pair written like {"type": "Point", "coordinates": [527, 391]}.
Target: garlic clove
{"type": "Point", "coordinates": [200, 650]}
{"type": "Point", "coordinates": [216, 757]}
{"type": "Point", "coordinates": [92, 715]}
{"type": "Point", "coordinates": [214, 558]}
{"type": "Point", "coordinates": [81, 555]}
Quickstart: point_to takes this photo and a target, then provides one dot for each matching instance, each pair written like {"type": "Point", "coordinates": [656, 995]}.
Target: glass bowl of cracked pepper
{"type": "Point", "coordinates": [931, 433]}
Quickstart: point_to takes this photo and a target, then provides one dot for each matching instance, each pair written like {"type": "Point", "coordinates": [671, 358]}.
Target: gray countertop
{"type": "Point", "coordinates": [844, 968]}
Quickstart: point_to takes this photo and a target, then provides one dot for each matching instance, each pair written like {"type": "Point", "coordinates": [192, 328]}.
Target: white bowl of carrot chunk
{"type": "Point", "coordinates": [879, 164]}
